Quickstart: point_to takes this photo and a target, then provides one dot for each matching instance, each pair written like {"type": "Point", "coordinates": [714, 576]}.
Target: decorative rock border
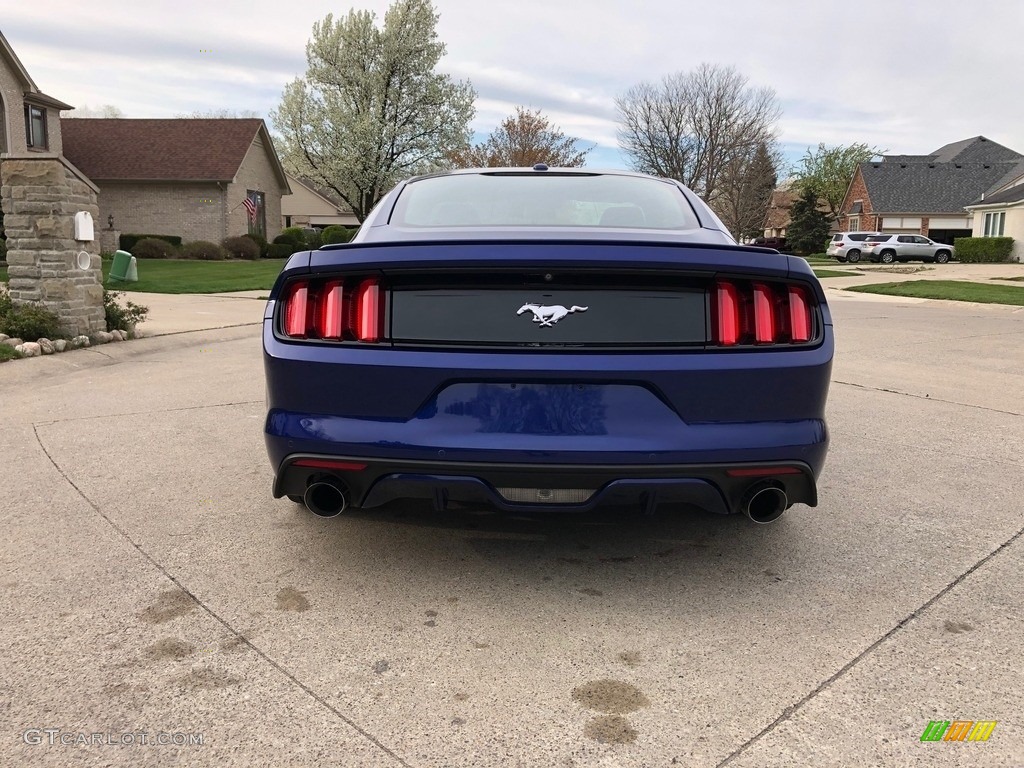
{"type": "Point", "coordinates": [48, 347]}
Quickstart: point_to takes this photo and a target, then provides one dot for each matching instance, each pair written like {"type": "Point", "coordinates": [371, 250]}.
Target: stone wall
{"type": "Point", "coordinates": [40, 197]}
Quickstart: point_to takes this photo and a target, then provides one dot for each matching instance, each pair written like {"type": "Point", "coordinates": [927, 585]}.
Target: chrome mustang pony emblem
{"type": "Point", "coordinates": [548, 316]}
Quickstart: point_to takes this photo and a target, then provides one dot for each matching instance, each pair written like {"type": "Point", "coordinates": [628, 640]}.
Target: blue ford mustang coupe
{"type": "Point", "coordinates": [547, 340]}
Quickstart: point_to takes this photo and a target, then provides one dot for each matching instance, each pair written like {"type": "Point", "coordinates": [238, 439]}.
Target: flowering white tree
{"type": "Point", "coordinates": [372, 109]}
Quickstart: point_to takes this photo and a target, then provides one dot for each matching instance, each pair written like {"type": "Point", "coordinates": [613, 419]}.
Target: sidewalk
{"type": "Point", "coordinates": [180, 313]}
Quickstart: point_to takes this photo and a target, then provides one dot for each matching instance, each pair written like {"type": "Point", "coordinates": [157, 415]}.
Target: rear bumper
{"type": "Point", "coordinates": [717, 488]}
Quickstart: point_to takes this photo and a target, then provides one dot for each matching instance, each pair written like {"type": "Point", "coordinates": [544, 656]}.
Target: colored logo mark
{"type": "Point", "coordinates": [958, 730]}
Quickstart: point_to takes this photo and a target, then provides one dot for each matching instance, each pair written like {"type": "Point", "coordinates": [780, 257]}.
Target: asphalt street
{"type": "Point", "coordinates": [153, 590]}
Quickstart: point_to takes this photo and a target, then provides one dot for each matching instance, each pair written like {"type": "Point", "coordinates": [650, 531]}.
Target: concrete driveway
{"type": "Point", "coordinates": [153, 591]}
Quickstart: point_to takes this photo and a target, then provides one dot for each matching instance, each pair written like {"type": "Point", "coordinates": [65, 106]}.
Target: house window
{"type": "Point", "coordinates": [256, 212]}
{"type": "Point", "coordinates": [35, 127]}
{"type": "Point", "coordinates": [994, 224]}
{"type": "Point", "coordinates": [854, 224]}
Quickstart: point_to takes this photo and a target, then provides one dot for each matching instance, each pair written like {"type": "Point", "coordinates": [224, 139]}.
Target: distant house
{"type": "Point", "coordinates": [313, 207]}
{"type": "Point", "coordinates": [780, 211]}
{"type": "Point", "coordinates": [927, 194]}
{"type": "Point", "coordinates": [185, 177]}
{"type": "Point", "coordinates": [1001, 214]}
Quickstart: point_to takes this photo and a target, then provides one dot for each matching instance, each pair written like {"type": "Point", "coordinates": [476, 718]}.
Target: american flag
{"type": "Point", "coordinates": [250, 206]}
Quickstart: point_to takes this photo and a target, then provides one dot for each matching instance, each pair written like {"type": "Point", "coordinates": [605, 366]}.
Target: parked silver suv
{"type": "Point", "coordinates": [848, 246]}
{"type": "Point", "coordinates": [890, 248]}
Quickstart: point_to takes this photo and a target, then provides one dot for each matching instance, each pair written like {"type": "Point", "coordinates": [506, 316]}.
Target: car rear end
{"type": "Point", "coordinates": [548, 372]}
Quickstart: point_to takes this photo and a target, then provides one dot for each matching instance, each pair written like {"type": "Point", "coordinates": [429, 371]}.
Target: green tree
{"type": "Point", "coordinates": [372, 109]}
{"type": "Point", "coordinates": [523, 140]}
{"type": "Point", "coordinates": [808, 226]}
{"type": "Point", "coordinates": [829, 171]}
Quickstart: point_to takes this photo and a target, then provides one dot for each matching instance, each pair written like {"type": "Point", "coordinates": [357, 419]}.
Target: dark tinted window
{"type": "Point", "coordinates": [543, 200]}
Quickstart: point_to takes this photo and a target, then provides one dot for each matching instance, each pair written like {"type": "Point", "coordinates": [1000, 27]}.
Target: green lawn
{"type": "Point", "coordinates": [189, 276]}
{"type": "Point", "coordinates": [955, 290]}
{"type": "Point", "coordinates": [834, 273]}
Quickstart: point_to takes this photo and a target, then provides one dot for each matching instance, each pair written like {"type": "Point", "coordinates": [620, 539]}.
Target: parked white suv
{"type": "Point", "coordinates": [847, 246]}
{"type": "Point", "coordinates": [902, 248]}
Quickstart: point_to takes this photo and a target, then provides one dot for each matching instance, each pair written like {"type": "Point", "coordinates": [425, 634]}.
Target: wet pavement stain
{"type": "Point", "coordinates": [430, 614]}
{"type": "Point", "coordinates": [457, 721]}
{"type": "Point", "coordinates": [207, 678]}
{"type": "Point", "coordinates": [631, 659]}
{"type": "Point", "coordinates": [591, 591]}
{"type": "Point", "coordinates": [481, 646]}
{"type": "Point", "coordinates": [461, 696]}
{"type": "Point", "coordinates": [381, 666]}
{"type": "Point", "coordinates": [612, 697]}
{"type": "Point", "coordinates": [610, 729]}
{"type": "Point", "coordinates": [957, 626]}
{"type": "Point", "coordinates": [430, 623]}
{"type": "Point", "coordinates": [169, 649]}
{"type": "Point", "coordinates": [170, 605]}
{"type": "Point", "coordinates": [290, 599]}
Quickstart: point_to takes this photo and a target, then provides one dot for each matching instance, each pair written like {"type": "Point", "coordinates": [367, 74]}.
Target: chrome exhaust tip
{"type": "Point", "coordinates": [764, 504]}
{"type": "Point", "coordinates": [325, 499]}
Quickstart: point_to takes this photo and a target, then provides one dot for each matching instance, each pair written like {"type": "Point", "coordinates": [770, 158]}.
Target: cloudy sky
{"type": "Point", "coordinates": [903, 76]}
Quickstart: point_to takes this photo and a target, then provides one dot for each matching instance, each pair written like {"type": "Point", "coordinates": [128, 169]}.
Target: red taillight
{"type": "Point", "coordinates": [333, 310]}
{"type": "Point", "coordinates": [296, 309]}
{"type": "Point", "coordinates": [368, 312]}
{"type": "Point", "coordinates": [727, 314]}
{"type": "Point", "coordinates": [330, 315]}
{"type": "Point", "coordinates": [799, 315]}
{"type": "Point", "coordinates": [764, 314]}
{"type": "Point", "coordinates": [760, 313]}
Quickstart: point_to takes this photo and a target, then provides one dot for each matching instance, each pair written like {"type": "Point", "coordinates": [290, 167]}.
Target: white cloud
{"type": "Point", "coordinates": [906, 77]}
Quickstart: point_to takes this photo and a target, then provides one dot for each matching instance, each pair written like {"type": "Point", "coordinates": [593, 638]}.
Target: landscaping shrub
{"type": "Point", "coordinates": [261, 241]}
{"type": "Point", "coordinates": [3, 250]}
{"type": "Point", "coordinates": [313, 239]}
{"type": "Point", "coordinates": [127, 242]}
{"type": "Point", "coordinates": [280, 250]}
{"type": "Point", "coordinates": [338, 234]}
{"type": "Point", "coordinates": [293, 235]}
{"type": "Point", "coordinates": [5, 302]}
{"type": "Point", "coordinates": [983, 250]}
{"type": "Point", "coordinates": [8, 353]}
{"type": "Point", "coordinates": [30, 322]}
{"type": "Point", "coordinates": [153, 248]}
{"type": "Point", "coordinates": [203, 249]}
{"type": "Point", "coordinates": [122, 318]}
{"type": "Point", "coordinates": [241, 247]}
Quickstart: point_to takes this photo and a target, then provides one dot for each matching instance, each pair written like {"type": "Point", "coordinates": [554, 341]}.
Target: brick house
{"type": "Point", "coordinates": [927, 194]}
{"type": "Point", "coordinates": [185, 177]}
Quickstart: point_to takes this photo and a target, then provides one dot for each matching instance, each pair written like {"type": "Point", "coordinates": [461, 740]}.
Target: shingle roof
{"type": "Point", "coordinates": [928, 188]}
{"type": "Point", "coordinates": [1011, 195]}
{"type": "Point", "coordinates": [944, 181]}
{"type": "Point", "coordinates": [159, 150]}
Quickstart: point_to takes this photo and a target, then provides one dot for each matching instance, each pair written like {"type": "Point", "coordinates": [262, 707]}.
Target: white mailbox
{"type": "Point", "coordinates": [83, 226]}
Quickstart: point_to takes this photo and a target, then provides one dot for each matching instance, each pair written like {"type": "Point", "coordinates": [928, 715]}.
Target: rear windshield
{"type": "Point", "coordinates": [540, 199]}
